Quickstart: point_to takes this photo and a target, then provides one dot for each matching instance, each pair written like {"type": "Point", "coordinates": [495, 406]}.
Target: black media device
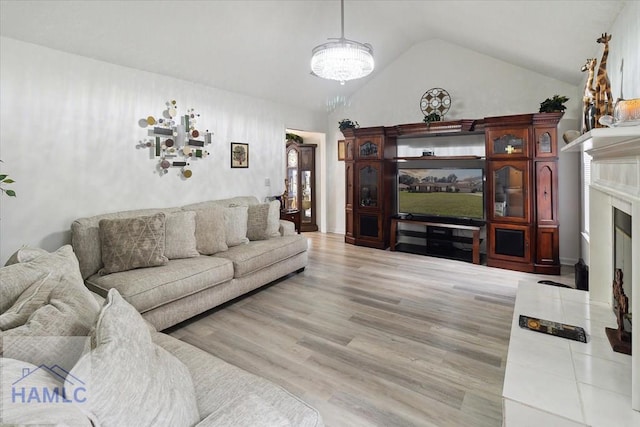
{"type": "Point", "coordinates": [563, 330]}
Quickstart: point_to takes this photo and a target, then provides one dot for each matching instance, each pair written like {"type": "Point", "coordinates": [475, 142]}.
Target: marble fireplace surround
{"type": "Point", "coordinates": [563, 383]}
{"type": "Point", "coordinates": [615, 182]}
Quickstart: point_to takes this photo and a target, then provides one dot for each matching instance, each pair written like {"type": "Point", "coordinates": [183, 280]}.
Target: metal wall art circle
{"type": "Point", "coordinates": [435, 100]}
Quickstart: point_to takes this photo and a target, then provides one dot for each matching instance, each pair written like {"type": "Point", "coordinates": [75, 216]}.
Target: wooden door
{"type": "Point", "coordinates": [349, 201]}
{"type": "Point", "coordinates": [546, 193]}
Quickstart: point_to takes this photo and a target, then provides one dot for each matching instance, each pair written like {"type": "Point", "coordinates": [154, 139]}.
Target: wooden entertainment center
{"type": "Point", "coordinates": [519, 155]}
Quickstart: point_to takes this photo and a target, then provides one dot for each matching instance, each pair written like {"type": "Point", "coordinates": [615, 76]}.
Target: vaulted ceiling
{"type": "Point", "coordinates": [262, 48]}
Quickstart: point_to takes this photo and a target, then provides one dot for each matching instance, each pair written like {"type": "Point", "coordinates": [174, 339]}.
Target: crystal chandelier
{"type": "Point", "coordinates": [342, 59]}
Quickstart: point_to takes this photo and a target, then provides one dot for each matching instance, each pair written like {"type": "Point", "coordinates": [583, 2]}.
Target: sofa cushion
{"type": "Point", "coordinates": [247, 410]}
{"type": "Point", "coordinates": [180, 235]}
{"type": "Point", "coordinates": [34, 297]}
{"type": "Point", "coordinates": [210, 230]}
{"type": "Point", "coordinates": [219, 384]}
{"type": "Point", "coordinates": [259, 254]}
{"type": "Point", "coordinates": [24, 408]}
{"type": "Point", "coordinates": [148, 288]}
{"type": "Point", "coordinates": [129, 380]}
{"type": "Point", "coordinates": [70, 311]}
{"type": "Point", "coordinates": [235, 225]}
{"type": "Point", "coordinates": [130, 243]}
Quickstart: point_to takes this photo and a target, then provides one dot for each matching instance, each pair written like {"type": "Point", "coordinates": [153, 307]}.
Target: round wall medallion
{"type": "Point", "coordinates": [435, 100]}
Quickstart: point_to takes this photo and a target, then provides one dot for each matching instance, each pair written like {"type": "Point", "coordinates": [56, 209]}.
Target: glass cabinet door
{"type": "Point", "coordinates": [305, 203]}
{"type": "Point", "coordinates": [509, 183]}
{"type": "Point", "coordinates": [368, 185]}
{"type": "Point", "coordinates": [369, 147]}
{"type": "Point", "coordinates": [292, 179]}
{"type": "Point", "coordinates": [508, 143]}
{"type": "Point", "coordinates": [546, 144]}
{"type": "Point", "coordinates": [301, 182]}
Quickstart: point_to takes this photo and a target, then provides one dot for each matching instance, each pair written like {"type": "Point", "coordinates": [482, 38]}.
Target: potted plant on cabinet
{"type": "Point", "coordinates": [347, 124]}
{"type": "Point", "coordinates": [554, 105]}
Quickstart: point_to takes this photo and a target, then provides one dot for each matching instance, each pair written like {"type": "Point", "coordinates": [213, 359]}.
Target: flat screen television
{"type": "Point", "coordinates": [454, 193]}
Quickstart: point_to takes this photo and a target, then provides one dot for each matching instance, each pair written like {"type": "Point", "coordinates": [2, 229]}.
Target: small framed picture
{"type": "Point", "coordinates": [239, 155]}
{"type": "Point", "coordinates": [341, 149]}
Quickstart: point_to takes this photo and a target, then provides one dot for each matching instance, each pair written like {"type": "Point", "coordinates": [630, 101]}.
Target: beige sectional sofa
{"type": "Point", "coordinates": [183, 287]}
{"type": "Point", "coordinates": [123, 372]}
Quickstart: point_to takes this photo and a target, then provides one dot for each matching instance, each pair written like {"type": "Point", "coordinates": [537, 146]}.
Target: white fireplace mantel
{"type": "Point", "coordinates": [622, 140]}
{"type": "Point", "coordinates": [615, 182]}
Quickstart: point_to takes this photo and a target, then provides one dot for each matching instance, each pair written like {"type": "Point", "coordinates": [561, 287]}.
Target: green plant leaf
{"type": "Point", "coordinates": [8, 181]}
{"type": "Point", "coordinates": [11, 193]}
{"type": "Point", "coordinates": [2, 177]}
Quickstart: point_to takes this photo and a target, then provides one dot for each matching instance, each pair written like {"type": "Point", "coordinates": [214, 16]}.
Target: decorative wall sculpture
{"type": "Point", "coordinates": [175, 140]}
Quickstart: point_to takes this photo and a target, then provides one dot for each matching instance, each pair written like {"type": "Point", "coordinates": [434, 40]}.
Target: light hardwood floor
{"type": "Point", "coordinates": [375, 338]}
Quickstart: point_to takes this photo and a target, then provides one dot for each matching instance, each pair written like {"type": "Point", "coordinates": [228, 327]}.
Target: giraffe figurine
{"type": "Point", "coordinates": [589, 96]}
{"type": "Point", "coordinates": [604, 100]}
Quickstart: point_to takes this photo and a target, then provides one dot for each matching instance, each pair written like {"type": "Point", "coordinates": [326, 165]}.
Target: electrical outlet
{"type": "Point", "coordinates": [267, 182]}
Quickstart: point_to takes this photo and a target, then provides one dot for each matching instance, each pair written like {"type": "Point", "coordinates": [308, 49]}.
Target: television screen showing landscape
{"type": "Point", "coordinates": [442, 192]}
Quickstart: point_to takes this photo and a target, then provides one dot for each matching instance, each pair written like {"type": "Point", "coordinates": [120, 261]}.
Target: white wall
{"type": "Point", "coordinates": [68, 136]}
{"type": "Point", "coordinates": [623, 47]}
{"type": "Point", "coordinates": [480, 86]}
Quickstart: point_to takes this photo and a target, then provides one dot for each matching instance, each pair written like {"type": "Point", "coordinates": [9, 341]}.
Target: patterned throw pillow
{"type": "Point", "coordinates": [130, 243]}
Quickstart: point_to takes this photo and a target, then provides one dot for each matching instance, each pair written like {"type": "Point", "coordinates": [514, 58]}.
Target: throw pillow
{"type": "Point", "coordinates": [273, 225]}
{"type": "Point", "coordinates": [130, 243]}
{"type": "Point", "coordinates": [34, 297]}
{"type": "Point", "coordinates": [180, 235]}
{"type": "Point", "coordinates": [235, 225]}
{"type": "Point", "coordinates": [14, 280]}
{"type": "Point", "coordinates": [210, 237]}
{"type": "Point", "coordinates": [25, 254]}
{"type": "Point", "coordinates": [67, 316]}
{"type": "Point", "coordinates": [130, 380]}
{"type": "Point", "coordinates": [257, 222]}
{"type": "Point", "coordinates": [23, 399]}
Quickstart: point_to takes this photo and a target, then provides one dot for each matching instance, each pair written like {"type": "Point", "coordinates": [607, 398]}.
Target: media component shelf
{"type": "Point", "coordinates": [455, 241]}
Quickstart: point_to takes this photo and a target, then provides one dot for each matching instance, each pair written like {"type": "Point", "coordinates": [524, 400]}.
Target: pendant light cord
{"type": "Point", "coordinates": [342, 18]}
